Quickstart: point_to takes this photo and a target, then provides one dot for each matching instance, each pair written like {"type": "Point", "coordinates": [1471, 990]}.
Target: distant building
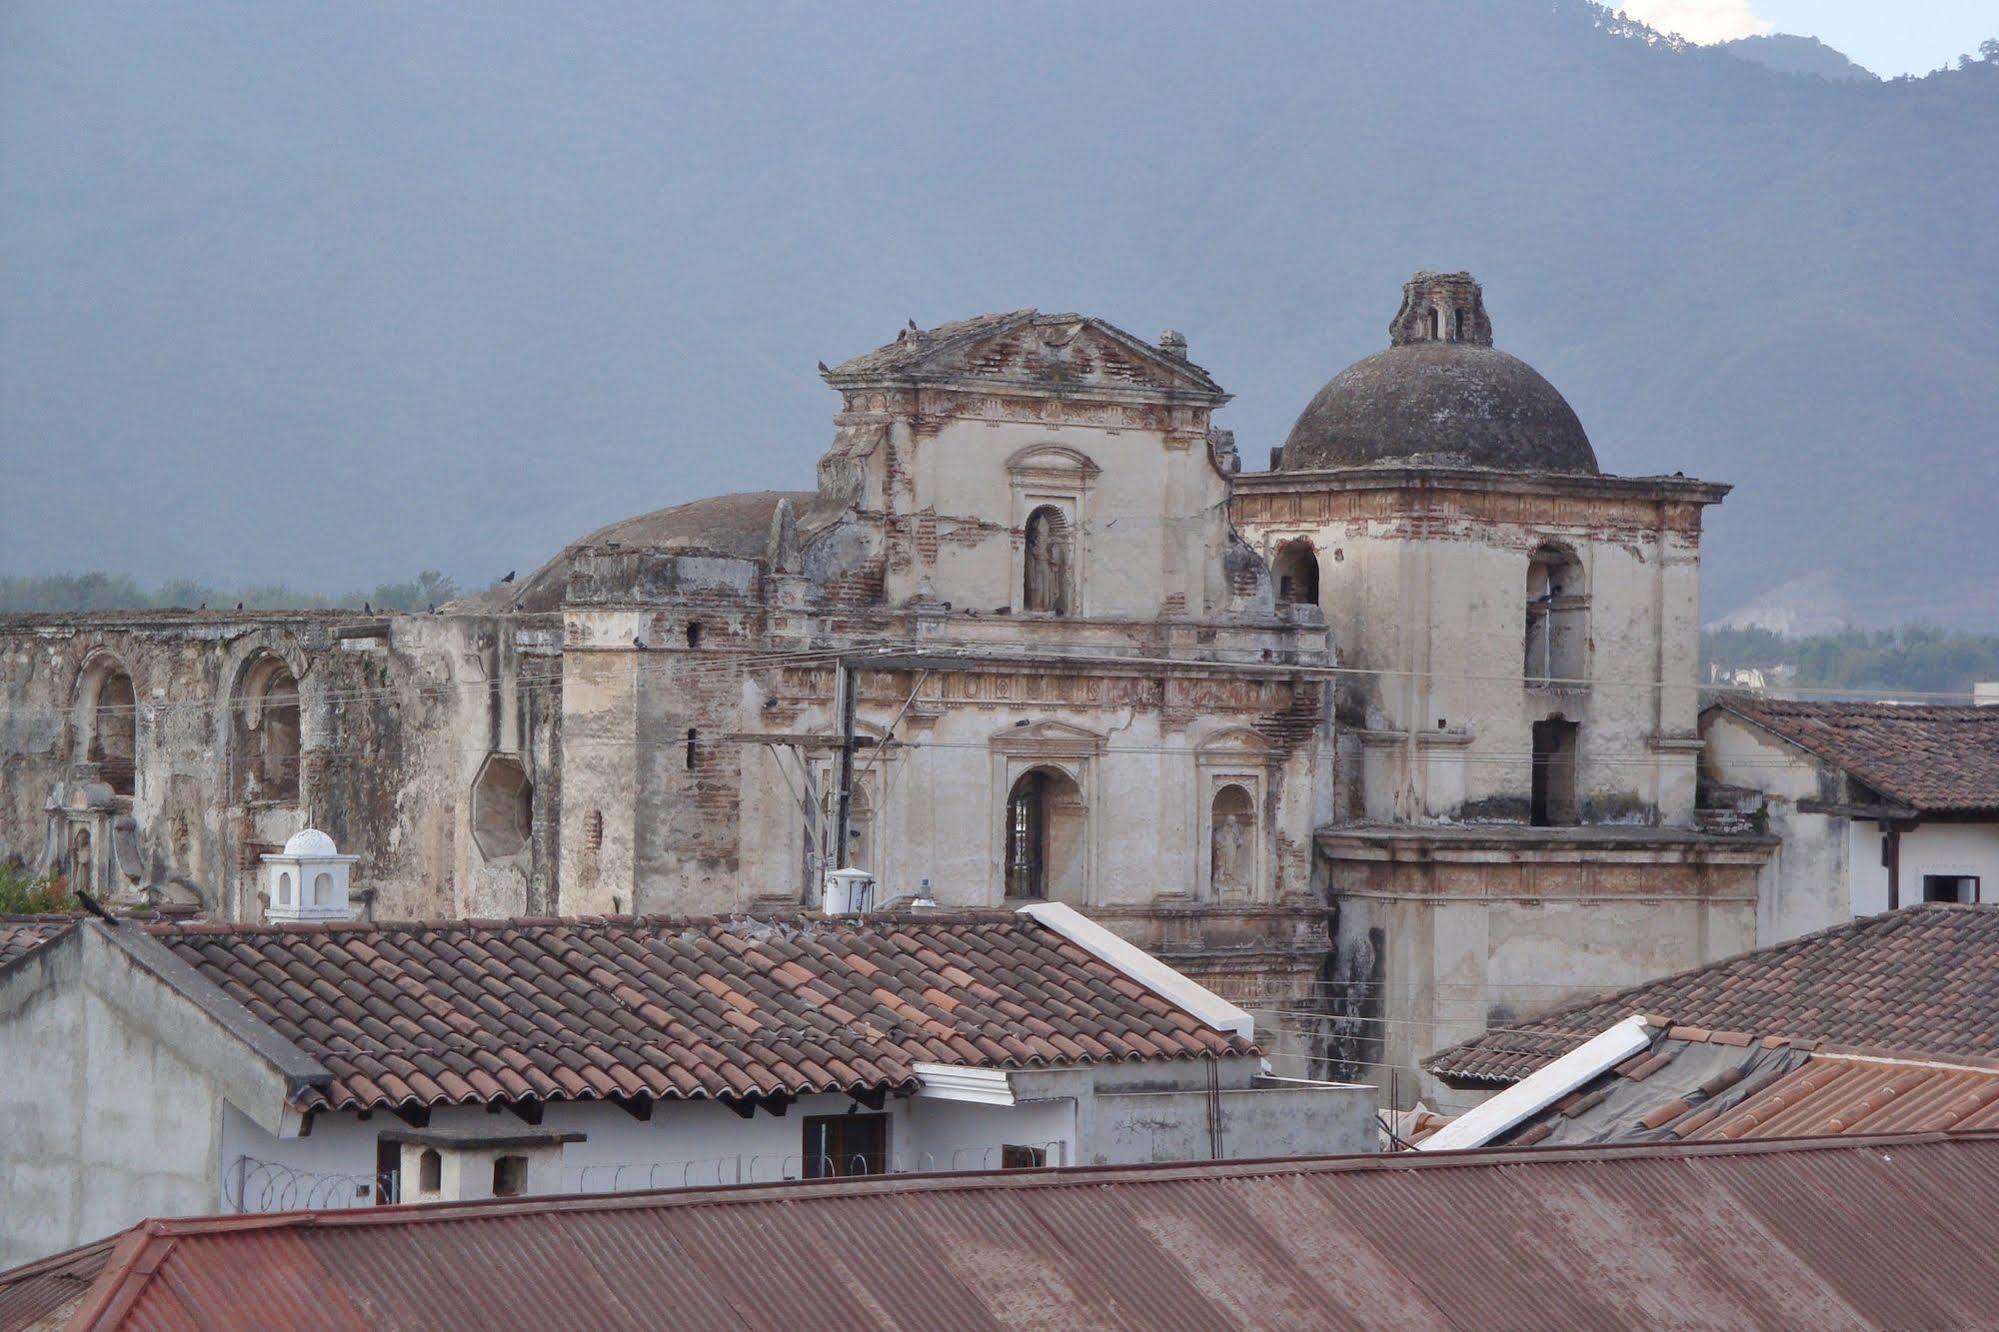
{"type": "Point", "coordinates": [1881, 1025]}
{"type": "Point", "coordinates": [1878, 805]}
{"type": "Point", "coordinates": [168, 1069]}
{"type": "Point", "coordinates": [1880, 1232]}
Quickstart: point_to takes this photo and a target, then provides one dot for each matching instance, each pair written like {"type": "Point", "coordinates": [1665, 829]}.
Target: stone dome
{"type": "Point", "coordinates": [1441, 395]}
{"type": "Point", "coordinates": [310, 843]}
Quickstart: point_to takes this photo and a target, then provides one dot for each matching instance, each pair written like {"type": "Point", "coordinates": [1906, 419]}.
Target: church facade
{"type": "Point", "coordinates": [1358, 740]}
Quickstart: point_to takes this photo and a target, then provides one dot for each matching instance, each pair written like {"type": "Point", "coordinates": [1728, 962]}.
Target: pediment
{"type": "Point", "coordinates": [1048, 739]}
{"type": "Point", "coordinates": [1066, 352]}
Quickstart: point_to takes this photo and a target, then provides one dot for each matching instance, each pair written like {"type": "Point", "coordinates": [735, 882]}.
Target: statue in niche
{"type": "Point", "coordinates": [1046, 575]}
{"type": "Point", "coordinates": [1229, 864]}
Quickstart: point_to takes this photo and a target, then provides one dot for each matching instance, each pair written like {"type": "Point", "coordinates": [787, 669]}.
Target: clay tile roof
{"type": "Point", "coordinates": [1920, 982]}
{"type": "Point", "coordinates": [20, 935]}
{"type": "Point", "coordinates": [1935, 760]}
{"type": "Point", "coordinates": [455, 1012]}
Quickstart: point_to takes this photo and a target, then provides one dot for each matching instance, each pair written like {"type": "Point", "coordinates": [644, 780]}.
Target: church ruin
{"type": "Point", "coordinates": [1379, 689]}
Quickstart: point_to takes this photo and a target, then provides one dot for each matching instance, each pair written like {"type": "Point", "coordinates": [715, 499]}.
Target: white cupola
{"type": "Point", "coordinates": [308, 880]}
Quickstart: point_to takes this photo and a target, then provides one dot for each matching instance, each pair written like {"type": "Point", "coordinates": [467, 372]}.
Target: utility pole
{"type": "Point", "coordinates": [844, 687]}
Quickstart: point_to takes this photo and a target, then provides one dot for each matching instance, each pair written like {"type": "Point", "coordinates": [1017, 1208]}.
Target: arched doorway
{"type": "Point", "coordinates": [1045, 850]}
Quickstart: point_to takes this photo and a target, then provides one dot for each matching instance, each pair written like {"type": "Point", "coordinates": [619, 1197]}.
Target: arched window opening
{"type": "Point", "coordinates": [114, 733]}
{"type": "Point", "coordinates": [284, 890]}
{"type": "Point", "coordinates": [1232, 841]}
{"type": "Point", "coordinates": [1552, 802]}
{"type": "Point", "coordinates": [1433, 323]}
{"type": "Point", "coordinates": [1044, 838]}
{"type": "Point", "coordinates": [322, 889]}
{"type": "Point", "coordinates": [1458, 326]}
{"type": "Point", "coordinates": [1046, 573]}
{"type": "Point", "coordinates": [1297, 573]}
{"type": "Point", "coordinates": [693, 634]}
{"type": "Point", "coordinates": [1557, 629]}
{"type": "Point", "coordinates": [264, 748]}
{"type": "Point", "coordinates": [430, 1171]}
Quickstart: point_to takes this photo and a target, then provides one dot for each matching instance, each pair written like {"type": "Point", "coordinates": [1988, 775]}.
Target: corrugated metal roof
{"type": "Point", "coordinates": [37, 1294]}
{"type": "Point", "coordinates": [1883, 1232]}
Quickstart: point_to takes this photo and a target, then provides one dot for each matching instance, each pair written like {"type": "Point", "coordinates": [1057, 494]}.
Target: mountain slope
{"type": "Point", "coordinates": [331, 294]}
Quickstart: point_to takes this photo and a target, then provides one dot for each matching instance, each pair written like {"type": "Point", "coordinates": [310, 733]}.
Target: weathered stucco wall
{"type": "Point", "coordinates": [1425, 583]}
{"type": "Point", "coordinates": [1434, 943]}
{"type": "Point", "coordinates": [396, 718]}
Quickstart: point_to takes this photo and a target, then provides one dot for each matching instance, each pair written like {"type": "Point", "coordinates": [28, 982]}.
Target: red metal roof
{"type": "Point", "coordinates": [1885, 1232]}
{"type": "Point", "coordinates": [454, 1012]}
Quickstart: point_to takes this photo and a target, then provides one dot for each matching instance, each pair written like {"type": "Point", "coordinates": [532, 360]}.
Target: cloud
{"type": "Point", "coordinates": [1702, 21]}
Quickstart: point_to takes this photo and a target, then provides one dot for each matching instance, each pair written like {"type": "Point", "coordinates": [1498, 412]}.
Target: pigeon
{"type": "Point", "coordinates": [509, 578]}
{"type": "Point", "coordinates": [204, 606]}
{"type": "Point", "coordinates": [520, 603]}
{"type": "Point", "coordinates": [640, 644]}
{"type": "Point", "coordinates": [824, 368]}
{"type": "Point", "coordinates": [239, 605]}
{"type": "Point", "coordinates": [366, 609]}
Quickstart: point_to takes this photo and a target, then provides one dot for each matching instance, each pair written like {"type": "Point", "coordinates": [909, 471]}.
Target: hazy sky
{"type": "Point", "coordinates": [1889, 37]}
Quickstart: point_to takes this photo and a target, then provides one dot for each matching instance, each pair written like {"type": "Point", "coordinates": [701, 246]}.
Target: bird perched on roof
{"type": "Point", "coordinates": [366, 609]}
{"type": "Point", "coordinates": [239, 605]}
{"type": "Point", "coordinates": [640, 644]}
{"type": "Point", "coordinates": [825, 368]}
{"type": "Point", "coordinates": [509, 578]}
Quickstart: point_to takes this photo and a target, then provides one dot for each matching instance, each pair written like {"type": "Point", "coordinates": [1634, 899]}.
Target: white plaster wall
{"type": "Point", "coordinates": [1807, 884]}
{"type": "Point", "coordinates": [102, 1123]}
{"type": "Point", "coordinates": [1134, 1128]}
{"type": "Point", "coordinates": [1930, 848]}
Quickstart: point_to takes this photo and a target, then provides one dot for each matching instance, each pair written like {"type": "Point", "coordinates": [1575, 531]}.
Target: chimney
{"type": "Point", "coordinates": [849, 892]}
{"type": "Point", "coordinates": [467, 1164]}
{"type": "Point", "coordinates": [308, 880]}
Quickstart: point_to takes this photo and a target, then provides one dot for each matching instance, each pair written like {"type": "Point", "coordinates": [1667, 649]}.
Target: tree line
{"type": "Point", "coordinates": [97, 591]}
{"type": "Point", "coordinates": [1918, 657]}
